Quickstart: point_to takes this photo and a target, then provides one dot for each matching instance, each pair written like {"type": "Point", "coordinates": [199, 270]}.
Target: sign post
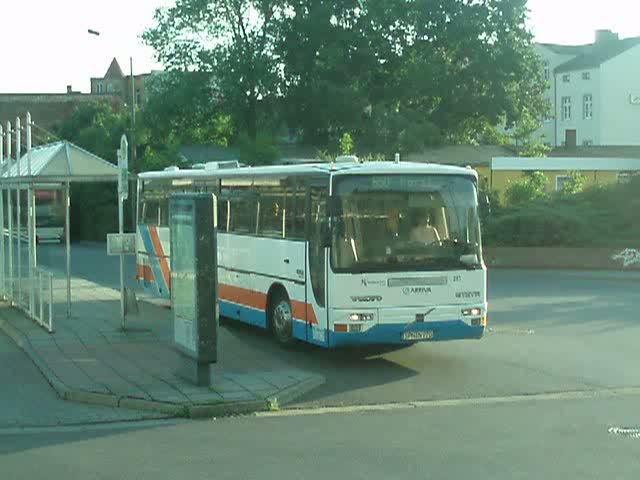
{"type": "Point", "coordinates": [123, 194]}
{"type": "Point", "coordinates": [194, 285]}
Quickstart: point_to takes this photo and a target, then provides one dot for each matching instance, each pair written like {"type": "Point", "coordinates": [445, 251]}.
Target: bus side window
{"type": "Point", "coordinates": [271, 211]}
{"type": "Point", "coordinates": [243, 212]}
{"type": "Point", "coordinates": [294, 223]}
{"type": "Point", "coordinates": [223, 207]}
{"type": "Point", "coordinates": [150, 212]}
{"type": "Point", "coordinates": [163, 212]}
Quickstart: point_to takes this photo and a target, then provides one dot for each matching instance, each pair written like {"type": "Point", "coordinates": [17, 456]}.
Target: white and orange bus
{"type": "Point", "coordinates": [336, 254]}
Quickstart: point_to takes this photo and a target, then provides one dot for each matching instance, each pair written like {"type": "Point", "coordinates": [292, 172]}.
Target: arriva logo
{"type": "Point", "coordinates": [416, 290]}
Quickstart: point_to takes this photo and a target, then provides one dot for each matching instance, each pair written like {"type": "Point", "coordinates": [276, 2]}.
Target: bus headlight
{"type": "Point", "coordinates": [361, 317]}
{"type": "Point", "coordinates": [472, 312]}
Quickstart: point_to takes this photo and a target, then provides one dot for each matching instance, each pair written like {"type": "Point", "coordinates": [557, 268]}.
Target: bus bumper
{"type": "Point", "coordinates": [407, 334]}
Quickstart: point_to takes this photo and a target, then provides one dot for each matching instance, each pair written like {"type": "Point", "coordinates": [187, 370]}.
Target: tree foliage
{"type": "Point", "coordinates": [181, 109]}
{"type": "Point", "coordinates": [398, 75]}
{"type": "Point", "coordinates": [97, 127]}
{"type": "Point", "coordinates": [574, 184]}
{"type": "Point", "coordinates": [532, 186]}
{"type": "Point", "coordinates": [236, 40]}
{"type": "Point", "coordinates": [346, 144]}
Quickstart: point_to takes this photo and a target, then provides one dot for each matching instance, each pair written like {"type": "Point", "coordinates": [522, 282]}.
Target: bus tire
{"type": "Point", "coordinates": [281, 317]}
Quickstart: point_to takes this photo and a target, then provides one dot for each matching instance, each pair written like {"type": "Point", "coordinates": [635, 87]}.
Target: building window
{"type": "Point", "coordinates": [566, 108]}
{"type": "Point", "coordinates": [561, 180]}
{"type": "Point", "coordinates": [566, 78]}
{"type": "Point", "coordinates": [587, 143]}
{"type": "Point", "coordinates": [587, 106]}
{"type": "Point", "coordinates": [137, 96]}
{"type": "Point", "coordinates": [109, 88]}
{"type": "Point", "coordinates": [100, 87]}
{"type": "Point", "coordinates": [546, 71]}
{"type": "Point", "coordinates": [586, 75]}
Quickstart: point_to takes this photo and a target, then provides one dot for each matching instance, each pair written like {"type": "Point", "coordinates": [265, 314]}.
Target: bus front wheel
{"type": "Point", "coordinates": [281, 318]}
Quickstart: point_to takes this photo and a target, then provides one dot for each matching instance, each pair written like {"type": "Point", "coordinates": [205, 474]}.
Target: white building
{"type": "Point", "coordinates": [594, 92]}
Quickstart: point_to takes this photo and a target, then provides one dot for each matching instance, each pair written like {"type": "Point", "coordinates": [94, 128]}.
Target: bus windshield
{"type": "Point", "coordinates": [405, 222]}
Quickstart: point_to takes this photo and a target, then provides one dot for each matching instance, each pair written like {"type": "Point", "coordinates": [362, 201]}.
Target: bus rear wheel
{"type": "Point", "coordinates": [281, 318]}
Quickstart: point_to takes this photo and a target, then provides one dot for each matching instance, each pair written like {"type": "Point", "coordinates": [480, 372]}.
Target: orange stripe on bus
{"type": "Point", "coordinates": [157, 246]}
{"type": "Point", "coordinates": [242, 296]}
{"type": "Point", "coordinates": [144, 272]}
{"type": "Point", "coordinates": [251, 298]}
{"type": "Point", "coordinates": [302, 311]}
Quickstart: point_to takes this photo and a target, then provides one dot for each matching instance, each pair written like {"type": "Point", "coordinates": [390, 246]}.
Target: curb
{"type": "Point", "coordinates": [293, 392]}
{"type": "Point", "coordinates": [616, 276]}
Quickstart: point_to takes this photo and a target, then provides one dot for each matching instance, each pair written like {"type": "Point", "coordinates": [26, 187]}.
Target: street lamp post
{"type": "Point", "coordinates": [132, 136]}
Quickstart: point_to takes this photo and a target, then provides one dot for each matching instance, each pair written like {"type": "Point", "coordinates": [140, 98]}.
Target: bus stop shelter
{"type": "Point", "coordinates": [53, 166]}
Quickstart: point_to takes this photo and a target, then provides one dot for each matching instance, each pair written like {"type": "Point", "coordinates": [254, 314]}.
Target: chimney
{"type": "Point", "coordinates": [604, 36]}
{"type": "Point", "coordinates": [69, 90]}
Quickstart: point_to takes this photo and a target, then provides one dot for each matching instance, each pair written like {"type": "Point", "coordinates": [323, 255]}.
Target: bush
{"type": "Point", "coordinates": [531, 187]}
{"type": "Point", "coordinates": [601, 216]}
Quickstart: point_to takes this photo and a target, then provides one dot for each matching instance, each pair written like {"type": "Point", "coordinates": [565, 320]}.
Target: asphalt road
{"type": "Point", "coordinates": [563, 439]}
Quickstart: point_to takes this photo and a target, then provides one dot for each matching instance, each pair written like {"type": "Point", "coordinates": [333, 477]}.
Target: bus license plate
{"type": "Point", "coordinates": [421, 335]}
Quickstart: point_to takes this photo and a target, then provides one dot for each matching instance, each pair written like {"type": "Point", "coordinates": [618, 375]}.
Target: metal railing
{"type": "Point", "coordinates": [43, 292]}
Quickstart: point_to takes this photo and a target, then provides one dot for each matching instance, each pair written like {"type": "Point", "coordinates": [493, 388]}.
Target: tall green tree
{"type": "Point", "coordinates": [235, 41]}
{"type": "Point", "coordinates": [182, 108]}
{"type": "Point", "coordinates": [408, 73]}
{"type": "Point", "coordinates": [396, 74]}
{"type": "Point", "coordinates": [97, 127]}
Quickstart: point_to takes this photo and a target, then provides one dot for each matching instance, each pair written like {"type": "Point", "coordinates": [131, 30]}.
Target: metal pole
{"type": "Point", "coordinates": [50, 302]}
{"type": "Point", "coordinates": [133, 138]}
{"type": "Point", "coordinates": [10, 213]}
{"type": "Point", "coordinates": [41, 290]}
{"type": "Point", "coordinates": [67, 228]}
{"type": "Point", "coordinates": [29, 145]}
{"type": "Point", "coordinates": [19, 208]}
{"type": "Point", "coordinates": [2, 256]}
{"type": "Point", "coordinates": [120, 230]}
{"type": "Point", "coordinates": [30, 222]}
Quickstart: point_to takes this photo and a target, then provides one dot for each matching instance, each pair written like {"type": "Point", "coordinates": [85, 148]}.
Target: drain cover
{"type": "Point", "coordinates": [625, 432]}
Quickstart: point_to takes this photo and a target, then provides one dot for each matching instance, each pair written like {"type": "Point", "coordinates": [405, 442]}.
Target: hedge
{"type": "Point", "coordinates": [602, 216]}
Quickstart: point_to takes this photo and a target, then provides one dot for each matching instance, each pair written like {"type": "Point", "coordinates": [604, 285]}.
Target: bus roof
{"type": "Point", "coordinates": [345, 168]}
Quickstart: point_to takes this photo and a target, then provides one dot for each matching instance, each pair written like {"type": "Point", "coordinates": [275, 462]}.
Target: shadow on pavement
{"type": "Point", "coordinates": [29, 439]}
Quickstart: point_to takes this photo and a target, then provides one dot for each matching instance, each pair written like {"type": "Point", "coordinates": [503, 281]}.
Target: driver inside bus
{"type": "Point", "coordinates": [391, 228]}
{"type": "Point", "coordinates": [423, 231]}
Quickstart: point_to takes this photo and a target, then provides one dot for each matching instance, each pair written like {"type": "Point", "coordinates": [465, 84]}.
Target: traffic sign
{"type": "Point", "coordinates": [123, 168]}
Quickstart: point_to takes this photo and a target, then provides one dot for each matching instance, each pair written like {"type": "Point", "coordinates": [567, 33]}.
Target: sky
{"type": "Point", "coordinates": [53, 48]}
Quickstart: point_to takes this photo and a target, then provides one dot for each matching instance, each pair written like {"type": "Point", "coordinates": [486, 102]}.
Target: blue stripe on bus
{"type": "Point", "coordinates": [392, 333]}
{"type": "Point", "coordinates": [299, 330]}
{"type": "Point", "coordinates": [249, 315]}
{"type": "Point", "coordinates": [152, 255]}
{"type": "Point", "coordinates": [152, 287]}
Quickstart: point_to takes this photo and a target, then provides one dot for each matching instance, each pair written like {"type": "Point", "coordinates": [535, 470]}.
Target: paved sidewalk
{"type": "Point", "coordinates": [89, 359]}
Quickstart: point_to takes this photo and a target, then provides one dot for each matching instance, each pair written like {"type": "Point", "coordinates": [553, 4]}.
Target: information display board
{"type": "Point", "coordinates": [194, 276]}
